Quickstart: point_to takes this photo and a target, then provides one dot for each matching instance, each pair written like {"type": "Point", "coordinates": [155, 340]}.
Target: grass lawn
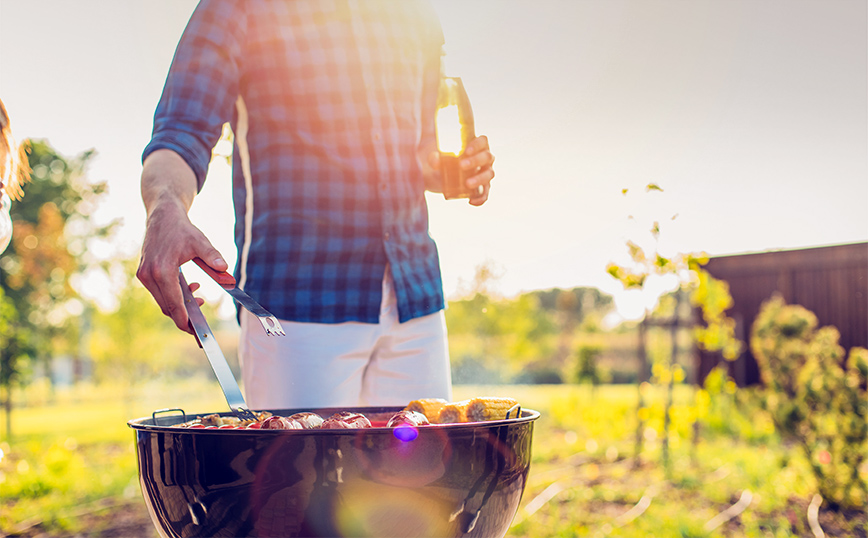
{"type": "Point", "coordinates": [70, 466]}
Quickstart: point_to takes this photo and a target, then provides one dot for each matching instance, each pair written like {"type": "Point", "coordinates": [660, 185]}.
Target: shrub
{"type": "Point", "coordinates": [815, 398]}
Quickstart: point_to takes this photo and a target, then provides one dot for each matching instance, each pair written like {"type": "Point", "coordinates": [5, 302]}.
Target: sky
{"type": "Point", "coordinates": [752, 116]}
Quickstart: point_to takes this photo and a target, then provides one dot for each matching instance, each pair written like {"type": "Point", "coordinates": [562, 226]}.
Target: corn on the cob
{"type": "Point", "coordinates": [454, 412]}
{"type": "Point", "coordinates": [430, 407]}
{"type": "Point", "coordinates": [489, 408]}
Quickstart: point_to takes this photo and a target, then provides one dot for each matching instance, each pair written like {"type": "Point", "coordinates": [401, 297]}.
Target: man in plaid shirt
{"type": "Point", "coordinates": [332, 104]}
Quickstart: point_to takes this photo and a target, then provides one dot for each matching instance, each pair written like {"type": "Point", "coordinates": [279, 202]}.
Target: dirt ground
{"type": "Point", "coordinates": [126, 520]}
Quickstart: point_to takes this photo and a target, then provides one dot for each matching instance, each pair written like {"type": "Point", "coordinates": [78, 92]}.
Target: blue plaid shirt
{"type": "Point", "coordinates": [329, 101]}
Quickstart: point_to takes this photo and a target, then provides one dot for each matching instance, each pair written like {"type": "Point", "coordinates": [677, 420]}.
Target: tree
{"type": "Point", "coordinates": [135, 341]}
{"type": "Point", "coordinates": [710, 294]}
{"type": "Point", "coordinates": [717, 334]}
{"type": "Point", "coordinates": [575, 304]}
{"type": "Point", "coordinates": [492, 337]}
{"type": "Point", "coordinates": [570, 309]}
{"type": "Point", "coordinates": [635, 276]}
{"type": "Point", "coordinates": [16, 350]}
{"type": "Point", "coordinates": [51, 236]}
{"type": "Point", "coordinates": [587, 369]}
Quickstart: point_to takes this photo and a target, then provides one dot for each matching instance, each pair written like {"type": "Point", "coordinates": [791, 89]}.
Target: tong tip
{"type": "Point", "coordinates": [272, 326]}
{"type": "Point", "coordinates": [243, 412]}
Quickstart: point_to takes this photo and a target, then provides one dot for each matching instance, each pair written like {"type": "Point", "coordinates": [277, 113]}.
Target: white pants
{"type": "Point", "coordinates": [346, 364]}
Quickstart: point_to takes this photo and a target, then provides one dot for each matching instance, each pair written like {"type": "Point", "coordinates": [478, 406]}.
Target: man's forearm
{"type": "Point", "coordinates": [166, 177]}
{"type": "Point", "coordinates": [168, 188]}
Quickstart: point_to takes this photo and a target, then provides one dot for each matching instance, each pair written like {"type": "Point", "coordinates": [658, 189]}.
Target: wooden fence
{"type": "Point", "coordinates": [831, 281]}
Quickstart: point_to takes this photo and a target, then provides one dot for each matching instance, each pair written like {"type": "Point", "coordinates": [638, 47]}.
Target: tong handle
{"type": "Point", "coordinates": [221, 277]}
{"type": "Point", "coordinates": [193, 330]}
{"type": "Point", "coordinates": [208, 343]}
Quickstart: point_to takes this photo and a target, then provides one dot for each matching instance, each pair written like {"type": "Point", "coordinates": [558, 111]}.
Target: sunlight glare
{"type": "Point", "coordinates": [380, 510]}
{"type": "Point", "coordinates": [449, 130]}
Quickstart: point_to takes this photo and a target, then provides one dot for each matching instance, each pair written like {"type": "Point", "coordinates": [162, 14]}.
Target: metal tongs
{"type": "Point", "coordinates": [206, 340]}
{"type": "Point", "coordinates": [227, 282]}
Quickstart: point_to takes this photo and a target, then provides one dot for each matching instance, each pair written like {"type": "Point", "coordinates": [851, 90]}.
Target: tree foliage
{"type": "Point", "coordinates": [574, 304]}
{"type": "Point", "coordinates": [134, 341]}
{"type": "Point", "coordinates": [815, 397]}
{"type": "Point", "coordinates": [52, 227]}
{"type": "Point", "coordinates": [706, 292]}
{"type": "Point", "coordinates": [717, 333]}
{"type": "Point", "coordinates": [499, 334]}
{"type": "Point", "coordinates": [496, 339]}
{"type": "Point", "coordinates": [587, 369]}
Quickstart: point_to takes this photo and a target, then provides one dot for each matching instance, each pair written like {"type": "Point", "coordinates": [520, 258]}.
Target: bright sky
{"type": "Point", "coordinates": [750, 115]}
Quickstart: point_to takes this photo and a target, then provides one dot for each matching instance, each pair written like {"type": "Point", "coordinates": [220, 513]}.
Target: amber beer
{"type": "Point", "coordinates": [455, 131]}
{"type": "Point", "coordinates": [453, 177]}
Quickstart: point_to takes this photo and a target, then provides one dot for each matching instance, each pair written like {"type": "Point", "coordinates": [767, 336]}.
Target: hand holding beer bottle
{"type": "Point", "coordinates": [463, 158]}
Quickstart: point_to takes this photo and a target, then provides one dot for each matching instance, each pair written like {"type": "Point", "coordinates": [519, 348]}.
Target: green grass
{"type": "Point", "coordinates": [73, 447]}
{"type": "Point", "coordinates": [583, 448]}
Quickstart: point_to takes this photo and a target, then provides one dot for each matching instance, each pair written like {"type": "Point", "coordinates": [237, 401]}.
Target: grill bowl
{"type": "Point", "coordinates": [432, 481]}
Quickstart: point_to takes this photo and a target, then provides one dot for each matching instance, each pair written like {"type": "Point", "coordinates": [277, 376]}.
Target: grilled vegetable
{"type": "Point", "coordinates": [430, 407]}
{"type": "Point", "coordinates": [489, 408]}
{"type": "Point", "coordinates": [453, 412]}
{"type": "Point", "coordinates": [476, 410]}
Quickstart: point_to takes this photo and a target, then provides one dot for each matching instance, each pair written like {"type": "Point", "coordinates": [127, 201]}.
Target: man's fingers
{"type": "Point", "coordinates": [479, 150]}
{"type": "Point", "coordinates": [166, 289]}
{"type": "Point", "coordinates": [483, 159]}
{"type": "Point", "coordinates": [193, 287]}
{"type": "Point", "coordinates": [171, 240]}
{"type": "Point", "coordinates": [479, 158]}
{"type": "Point", "coordinates": [480, 143]}
{"type": "Point", "coordinates": [146, 278]}
{"type": "Point", "coordinates": [480, 184]}
{"type": "Point", "coordinates": [173, 299]}
{"type": "Point", "coordinates": [213, 258]}
{"type": "Point", "coordinates": [482, 197]}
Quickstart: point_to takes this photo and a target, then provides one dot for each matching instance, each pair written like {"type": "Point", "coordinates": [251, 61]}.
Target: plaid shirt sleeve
{"type": "Point", "coordinates": [202, 86]}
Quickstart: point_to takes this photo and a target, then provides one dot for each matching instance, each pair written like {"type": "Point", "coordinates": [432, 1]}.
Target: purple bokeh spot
{"type": "Point", "coordinates": [405, 432]}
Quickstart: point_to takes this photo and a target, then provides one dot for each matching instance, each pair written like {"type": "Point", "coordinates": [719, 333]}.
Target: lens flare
{"type": "Point", "coordinates": [370, 509]}
{"type": "Point", "coordinates": [405, 432]}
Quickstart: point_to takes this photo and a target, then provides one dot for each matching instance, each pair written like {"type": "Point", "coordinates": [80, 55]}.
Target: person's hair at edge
{"type": "Point", "coordinates": [14, 170]}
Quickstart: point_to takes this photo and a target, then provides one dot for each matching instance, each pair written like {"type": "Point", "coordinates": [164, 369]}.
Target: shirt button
{"type": "Point", "coordinates": [386, 236]}
{"type": "Point", "coordinates": [377, 136]}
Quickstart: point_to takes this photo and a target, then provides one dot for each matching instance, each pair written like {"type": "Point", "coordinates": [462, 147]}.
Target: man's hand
{"type": "Point", "coordinates": [478, 160]}
{"type": "Point", "coordinates": [168, 188]}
